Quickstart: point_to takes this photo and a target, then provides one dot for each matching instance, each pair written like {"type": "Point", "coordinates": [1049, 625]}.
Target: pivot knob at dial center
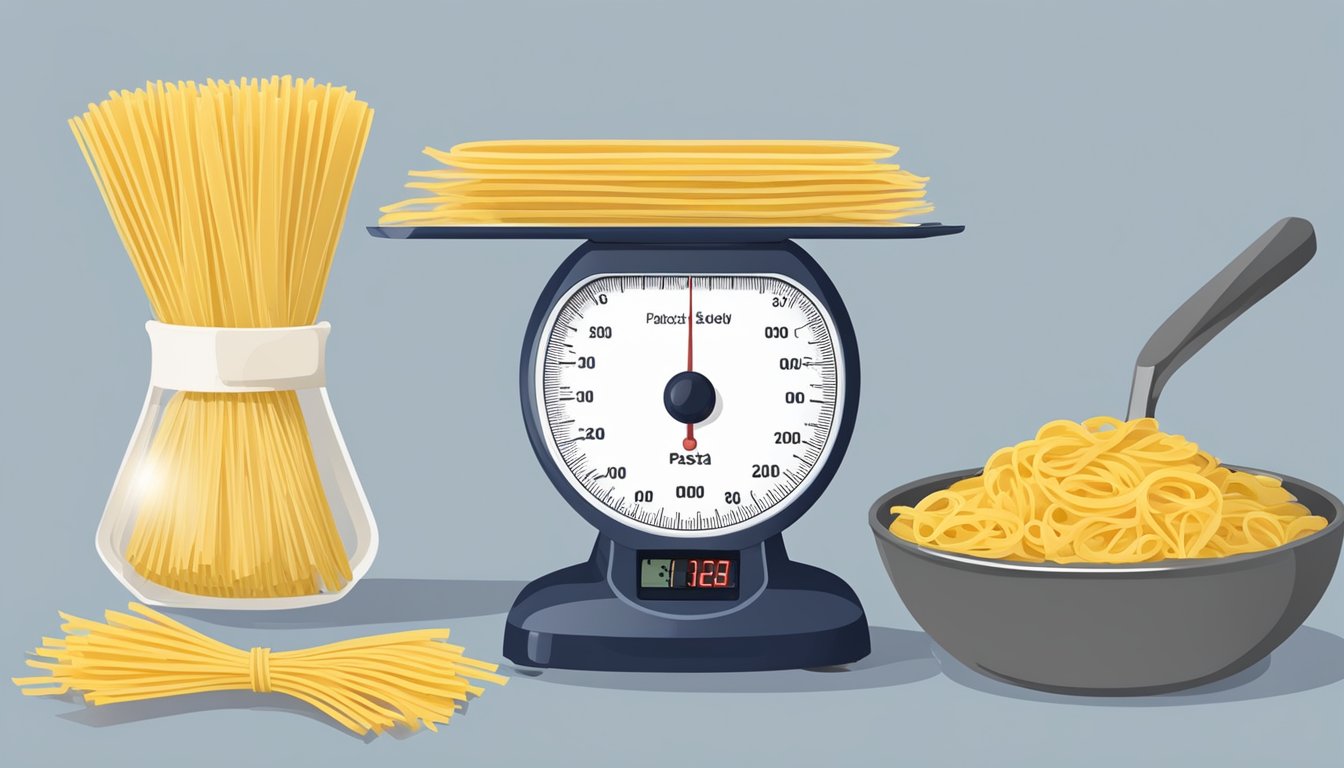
{"type": "Point", "coordinates": [689, 397]}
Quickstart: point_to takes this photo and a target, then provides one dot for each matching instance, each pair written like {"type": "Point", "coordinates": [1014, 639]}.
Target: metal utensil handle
{"type": "Point", "coordinates": [1276, 256]}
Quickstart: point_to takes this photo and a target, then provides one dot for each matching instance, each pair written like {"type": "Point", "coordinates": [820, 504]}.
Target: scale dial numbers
{"type": "Point", "coordinates": [768, 347]}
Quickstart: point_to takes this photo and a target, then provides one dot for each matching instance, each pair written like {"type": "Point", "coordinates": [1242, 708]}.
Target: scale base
{"type": "Point", "coordinates": [575, 618]}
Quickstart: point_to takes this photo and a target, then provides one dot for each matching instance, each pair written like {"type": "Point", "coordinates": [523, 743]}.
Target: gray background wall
{"type": "Point", "coordinates": [1107, 158]}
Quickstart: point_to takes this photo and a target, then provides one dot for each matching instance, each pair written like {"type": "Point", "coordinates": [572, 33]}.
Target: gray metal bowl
{"type": "Point", "coordinates": [1110, 629]}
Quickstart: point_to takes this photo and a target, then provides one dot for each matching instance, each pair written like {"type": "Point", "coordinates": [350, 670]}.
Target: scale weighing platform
{"type": "Point", "coordinates": [690, 391]}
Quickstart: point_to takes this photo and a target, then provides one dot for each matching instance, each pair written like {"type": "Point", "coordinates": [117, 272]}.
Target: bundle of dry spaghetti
{"type": "Point", "coordinates": [1106, 491]}
{"type": "Point", "coordinates": [366, 684]}
{"type": "Point", "coordinates": [229, 198]}
{"type": "Point", "coordinates": [662, 182]}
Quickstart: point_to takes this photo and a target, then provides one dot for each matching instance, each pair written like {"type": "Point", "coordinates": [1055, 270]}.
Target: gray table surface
{"type": "Point", "coordinates": [1156, 139]}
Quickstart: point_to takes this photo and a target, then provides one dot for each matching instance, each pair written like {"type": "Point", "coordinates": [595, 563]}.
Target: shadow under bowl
{"type": "Point", "coordinates": [1110, 630]}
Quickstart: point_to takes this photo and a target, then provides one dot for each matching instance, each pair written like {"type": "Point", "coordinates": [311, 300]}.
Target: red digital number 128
{"type": "Point", "coordinates": [707, 573]}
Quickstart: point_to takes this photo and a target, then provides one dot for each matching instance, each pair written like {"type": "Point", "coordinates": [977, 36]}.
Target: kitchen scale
{"type": "Point", "coordinates": [690, 391]}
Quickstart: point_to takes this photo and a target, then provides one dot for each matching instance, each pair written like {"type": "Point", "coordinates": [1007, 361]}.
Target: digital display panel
{"type": "Point", "coordinates": [688, 575]}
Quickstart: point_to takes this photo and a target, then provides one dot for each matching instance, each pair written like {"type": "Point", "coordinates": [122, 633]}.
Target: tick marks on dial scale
{"type": "Point", "coordinates": [603, 373]}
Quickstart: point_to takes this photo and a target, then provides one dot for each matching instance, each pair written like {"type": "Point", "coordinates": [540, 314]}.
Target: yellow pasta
{"type": "Point", "coordinates": [546, 148]}
{"type": "Point", "coordinates": [666, 183]}
{"type": "Point", "coordinates": [229, 198]}
{"type": "Point", "coordinates": [241, 495]}
{"type": "Point", "coordinates": [369, 684]}
{"type": "Point", "coordinates": [1106, 491]}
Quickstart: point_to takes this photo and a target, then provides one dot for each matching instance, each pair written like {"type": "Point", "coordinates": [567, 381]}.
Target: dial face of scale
{"type": "Point", "coordinates": [638, 445]}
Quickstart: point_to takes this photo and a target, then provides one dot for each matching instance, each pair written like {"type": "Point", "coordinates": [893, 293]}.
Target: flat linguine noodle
{"type": "Point", "coordinates": [1106, 491]}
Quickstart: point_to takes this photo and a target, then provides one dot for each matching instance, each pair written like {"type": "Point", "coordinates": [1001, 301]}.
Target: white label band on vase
{"type": "Point", "coordinates": [195, 359]}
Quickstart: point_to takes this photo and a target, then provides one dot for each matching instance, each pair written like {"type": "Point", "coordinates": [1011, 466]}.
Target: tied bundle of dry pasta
{"type": "Point", "coordinates": [645, 182]}
{"type": "Point", "coordinates": [1106, 491]}
{"type": "Point", "coordinates": [229, 198]}
{"type": "Point", "coordinates": [369, 684]}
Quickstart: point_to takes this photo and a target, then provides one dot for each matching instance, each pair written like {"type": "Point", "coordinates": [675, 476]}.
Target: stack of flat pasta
{"type": "Point", "coordinates": [1106, 491]}
{"type": "Point", "coordinates": [595, 182]}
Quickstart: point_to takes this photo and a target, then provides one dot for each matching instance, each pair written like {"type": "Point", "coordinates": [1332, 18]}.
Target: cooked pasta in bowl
{"type": "Point", "coordinates": [1108, 557]}
{"type": "Point", "coordinates": [1106, 491]}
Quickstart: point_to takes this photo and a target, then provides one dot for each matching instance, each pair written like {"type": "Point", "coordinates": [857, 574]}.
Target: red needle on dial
{"type": "Point", "coordinates": [689, 443]}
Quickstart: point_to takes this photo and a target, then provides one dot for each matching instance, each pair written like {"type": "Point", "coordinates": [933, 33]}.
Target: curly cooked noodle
{"type": "Point", "coordinates": [1106, 491]}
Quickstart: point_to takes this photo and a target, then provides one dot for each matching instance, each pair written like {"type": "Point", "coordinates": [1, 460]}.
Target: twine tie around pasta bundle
{"type": "Point", "coordinates": [260, 668]}
{"type": "Point", "coordinates": [236, 489]}
{"type": "Point", "coordinates": [368, 685]}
